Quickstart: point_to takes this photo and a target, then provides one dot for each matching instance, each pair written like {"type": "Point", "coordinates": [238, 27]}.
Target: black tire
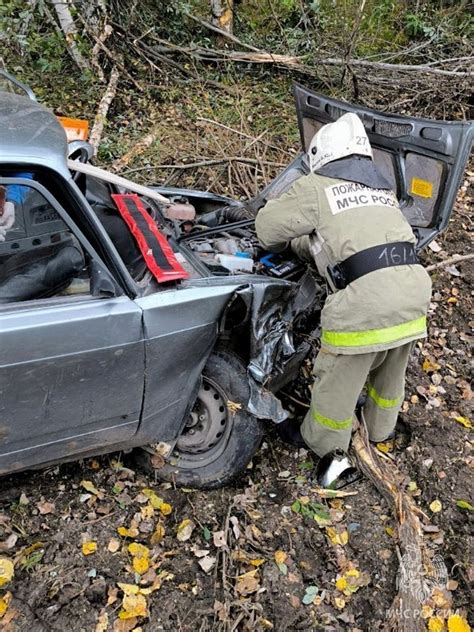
{"type": "Point", "coordinates": [208, 465]}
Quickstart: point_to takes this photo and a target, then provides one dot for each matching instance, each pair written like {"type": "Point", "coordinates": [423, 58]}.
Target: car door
{"type": "Point", "coordinates": [71, 364]}
{"type": "Point", "coordinates": [423, 159]}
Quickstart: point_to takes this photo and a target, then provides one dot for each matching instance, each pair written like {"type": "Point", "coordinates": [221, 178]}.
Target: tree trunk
{"type": "Point", "coordinates": [70, 32]}
{"type": "Point", "coordinates": [222, 12]}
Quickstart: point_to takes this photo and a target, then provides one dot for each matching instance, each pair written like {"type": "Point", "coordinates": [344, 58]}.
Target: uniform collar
{"type": "Point", "coordinates": [356, 169]}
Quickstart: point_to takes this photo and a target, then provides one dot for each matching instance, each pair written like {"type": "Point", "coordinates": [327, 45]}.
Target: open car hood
{"type": "Point", "coordinates": [423, 159]}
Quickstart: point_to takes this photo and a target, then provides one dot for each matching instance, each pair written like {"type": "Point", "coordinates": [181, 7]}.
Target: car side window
{"type": "Point", "coordinates": [40, 256]}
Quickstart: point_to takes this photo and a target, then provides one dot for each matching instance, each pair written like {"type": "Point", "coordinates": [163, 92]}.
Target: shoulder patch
{"type": "Point", "coordinates": [346, 196]}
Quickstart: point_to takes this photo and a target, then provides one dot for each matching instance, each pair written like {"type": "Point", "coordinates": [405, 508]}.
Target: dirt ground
{"type": "Point", "coordinates": [248, 557]}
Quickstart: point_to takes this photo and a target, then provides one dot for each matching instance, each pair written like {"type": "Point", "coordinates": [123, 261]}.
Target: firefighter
{"type": "Point", "coordinates": [345, 218]}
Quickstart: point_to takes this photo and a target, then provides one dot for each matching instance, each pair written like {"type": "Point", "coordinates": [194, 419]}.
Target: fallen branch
{"type": "Point", "coordinates": [417, 576]}
{"type": "Point", "coordinates": [226, 34]}
{"type": "Point", "coordinates": [210, 163]}
{"type": "Point", "coordinates": [448, 262]}
{"type": "Point", "coordinates": [137, 149]}
{"type": "Point", "coordinates": [244, 135]}
{"type": "Point", "coordinates": [297, 63]}
{"type": "Point", "coordinates": [104, 105]}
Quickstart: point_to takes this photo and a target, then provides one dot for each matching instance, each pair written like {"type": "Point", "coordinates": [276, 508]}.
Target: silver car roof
{"type": "Point", "coordinates": [30, 134]}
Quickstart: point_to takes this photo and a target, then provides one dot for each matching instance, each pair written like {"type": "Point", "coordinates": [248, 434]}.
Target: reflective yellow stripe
{"type": "Point", "coordinates": [375, 336]}
{"type": "Point", "coordinates": [381, 401]}
{"type": "Point", "coordinates": [335, 424]}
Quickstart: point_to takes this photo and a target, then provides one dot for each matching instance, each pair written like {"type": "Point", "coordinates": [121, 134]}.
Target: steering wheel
{"type": "Point", "coordinates": [82, 151]}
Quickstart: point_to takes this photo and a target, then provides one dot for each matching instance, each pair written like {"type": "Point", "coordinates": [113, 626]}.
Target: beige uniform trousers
{"type": "Point", "coordinates": [339, 380]}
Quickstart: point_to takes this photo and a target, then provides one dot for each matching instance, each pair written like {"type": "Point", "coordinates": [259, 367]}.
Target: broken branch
{"type": "Point", "coordinates": [104, 105]}
{"type": "Point", "coordinates": [448, 262]}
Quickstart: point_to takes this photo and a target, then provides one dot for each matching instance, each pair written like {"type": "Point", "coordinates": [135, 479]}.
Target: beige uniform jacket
{"type": "Point", "coordinates": [329, 220]}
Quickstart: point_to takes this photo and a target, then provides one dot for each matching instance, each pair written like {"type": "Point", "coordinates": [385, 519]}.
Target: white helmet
{"type": "Point", "coordinates": [345, 137]}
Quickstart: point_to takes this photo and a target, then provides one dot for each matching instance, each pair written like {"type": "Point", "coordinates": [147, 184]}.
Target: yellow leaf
{"type": "Point", "coordinates": [133, 606]}
{"type": "Point", "coordinates": [435, 624]}
{"type": "Point", "coordinates": [129, 589]}
{"type": "Point", "coordinates": [464, 421]}
{"type": "Point", "coordinates": [166, 509]}
{"type": "Point", "coordinates": [436, 506]}
{"type": "Point", "coordinates": [6, 571]}
{"type": "Point", "coordinates": [128, 533]}
{"type": "Point", "coordinates": [89, 547]}
{"type": "Point", "coordinates": [390, 531]}
{"type": "Point", "coordinates": [280, 557]}
{"type": "Point", "coordinates": [185, 530]}
{"type": "Point", "coordinates": [429, 366]}
{"type": "Point", "coordinates": [257, 562]}
{"type": "Point", "coordinates": [155, 500]}
{"type": "Point", "coordinates": [456, 623]}
{"type": "Point", "coordinates": [385, 447]}
{"type": "Point", "coordinates": [341, 584]}
{"type": "Point", "coordinates": [341, 538]}
{"type": "Point", "coordinates": [140, 565]}
{"type": "Point", "coordinates": [4, 603]}
{"type": "Point", "coordinates": [90, 487]}
{"type": "Point", "coordinates": [158, 534]}
{"type": "Point", "coordinates": [138, 550]}
{"type": "Point", "coordinates": [340, 603]}
{"type": "Point", "coordinates": [147, 511]}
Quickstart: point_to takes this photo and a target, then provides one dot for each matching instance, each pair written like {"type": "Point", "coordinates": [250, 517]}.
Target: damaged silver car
{"type": "Point", "coordinates": [150, 317]}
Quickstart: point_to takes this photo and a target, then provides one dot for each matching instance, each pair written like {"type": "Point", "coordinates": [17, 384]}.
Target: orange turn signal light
{"type": "Point", "coordinates": [76, 129]}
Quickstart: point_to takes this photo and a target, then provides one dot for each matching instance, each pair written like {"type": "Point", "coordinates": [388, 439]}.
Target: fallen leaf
{"type": "Point", "coordinates": [127, 533]}
{"type": "Point", "coordinates": [155, 501]}
{"type": "Point", "coordinates": [9, 543]}
{"type": "Point", "coordinates": [166, 509]}
{"type": "Point", "coordinates": [309, 595]}
{"type": "Point", "coordinates": [247, 583]}
{"type": "Point", "coordinates": [6, 571]}
{"type": "Point", "coordinates": [457, 623]}
{"type": "Point", "coordinates": [430, 366]}
{"type": "Point", "coordinates": [133, 605]}
{"type": "Point", "coordinates": [464, 421]}
{"type": "Point", "coordinates": [45, 507]}
{"type": "Point", "coordinates": [102, 622]}
{"type": "Point", "coordinates": [24, 500]}
{"type": "Point", "coordinates": [185, 530]}
{"type": "Point", "coordinates": [280, 557]}
{"type": "Point", "coordinates": [435, 624]}
{"type": "Point", "coordinates": [91, 488]}
{"type": "Point", "coordinates": [336, 538]}
{"type": "Point", "coordinates": [89, 547]}
{"type": "Point", "coordinates": [219, 539]}
{"type": "Point", "coordinates": [4, 603]}
{"type": "Point", "coordinates": [463, 504]}
{"type": "Point", "coordinates": [207, 563]}
{"type": "Point", "coordinates": [436, 506]}
{"type": "Point", "coordinates": [158, 534]}
{"type": "Point", "coordinates": [113, 545]}
{"type": "Point", "coordinates": [138, 550]}
{"type": "Point", "coordinates": [340, 603]}
{"type": "Point", "coordinates": [147, 512]}
{"type": "Point", "coordinates": [140, 565]}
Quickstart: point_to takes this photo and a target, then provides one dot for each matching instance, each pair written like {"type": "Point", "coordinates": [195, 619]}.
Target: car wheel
{"type": "Point", "coordinates": [220, 436]}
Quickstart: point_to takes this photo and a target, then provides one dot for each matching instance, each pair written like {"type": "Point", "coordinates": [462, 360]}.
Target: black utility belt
{"type": "Point", "coordinates": [399, 253]}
